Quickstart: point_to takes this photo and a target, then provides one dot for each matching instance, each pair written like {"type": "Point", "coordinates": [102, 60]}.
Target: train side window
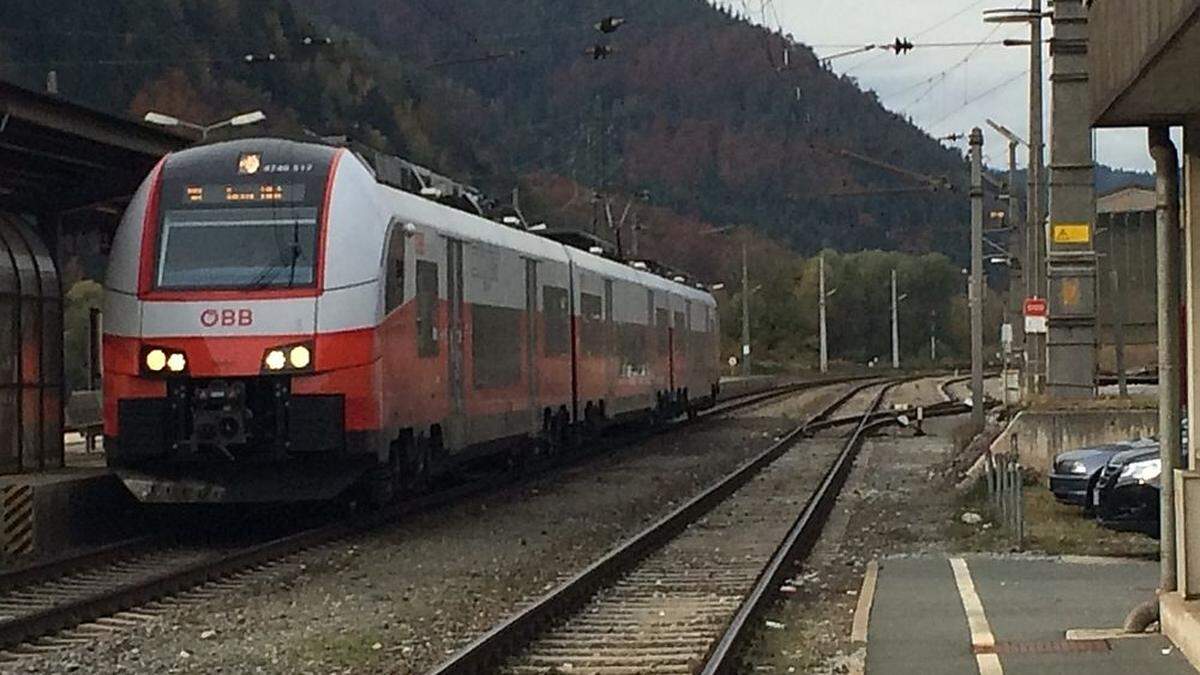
{"type": "Point", "coordinates": [394, 283]}
{"type": "Point", "coordinates": [557, 314]}
{"type": "Point", "coordinates": [427, 302]}
{"type": "Point", "coordinates": [681, 333]}
{"type": "Point", "coordinates": [592, 329]}
{"type": "Point", "coordinates": [661, 324]}
{"type": "Point", "coordinates": [495, 346]}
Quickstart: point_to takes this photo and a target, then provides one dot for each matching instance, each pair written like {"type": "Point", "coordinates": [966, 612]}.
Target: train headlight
{"type": "Point", "coordinates": [177, 362]}
{"type": "Point", "coordinates": [293, 358]}
{"type": "Point", "coordinates": [300, 357]}
{"type": "Point", "coordinates": [156, 360]}
{"type": "Point", "coordinates": [275, 360]}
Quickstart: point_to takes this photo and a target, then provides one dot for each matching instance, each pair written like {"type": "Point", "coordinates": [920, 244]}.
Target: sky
{"type": "Point", "coordinates": [944, 90]}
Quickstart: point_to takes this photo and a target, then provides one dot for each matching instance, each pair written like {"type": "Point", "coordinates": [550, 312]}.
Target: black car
{"type": "Point", "coordinates": [1074, 473]}
{"type": "Point", "coordinates": [1126, 496]}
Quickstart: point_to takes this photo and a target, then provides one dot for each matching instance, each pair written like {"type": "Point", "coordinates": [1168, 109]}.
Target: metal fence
{"type": "Point", "coordinates": [1006, 493]}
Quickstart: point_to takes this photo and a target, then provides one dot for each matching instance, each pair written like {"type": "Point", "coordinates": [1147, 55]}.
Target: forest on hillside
{"type": "Point", "coordinates": [692, 108]}
{"type": "Point", "coordinates": [694, 122]}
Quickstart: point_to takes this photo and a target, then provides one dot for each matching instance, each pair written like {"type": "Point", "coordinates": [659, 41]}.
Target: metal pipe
{"type": "Point", "coordinates": [1166, 162]}
{"type": "Point", "coordinates": [1118, 325]}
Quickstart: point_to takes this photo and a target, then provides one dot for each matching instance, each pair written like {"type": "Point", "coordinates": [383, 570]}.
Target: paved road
{"type": "Point", "coordinates": [919, 623]}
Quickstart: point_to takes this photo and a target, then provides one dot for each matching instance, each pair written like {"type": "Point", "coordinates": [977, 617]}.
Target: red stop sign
{"type": "Point", "coordinates": [1035, 307]}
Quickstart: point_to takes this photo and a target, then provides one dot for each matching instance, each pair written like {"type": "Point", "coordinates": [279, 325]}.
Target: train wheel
{"type": "Point", "coordinates": [417, 461]}
{"type": "Point", "coordinates": [560, 431]}
{"type": "Point", "coordinates": [381, 485]}
{"type": "Point", "coordinates": [545, 440]}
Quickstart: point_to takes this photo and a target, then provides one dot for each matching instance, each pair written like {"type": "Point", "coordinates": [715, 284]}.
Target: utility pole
{"type": "Point", "coordinates": [895, 326]}
{"type": "Point", "coordinates": [1035, 232]}
{"type": "Point", "coordinates": [1018, 273]}
{"type": "Point", "coordinates": [1035, 226]}
{"type": "Point", "coordinates": [1071, 262]}
{"type": "Point", "coordinates": [821, 312]}
{"type": "Point", "coordinates": [745, 314]}
{"type": "Point", "coordinates": [976, 294]}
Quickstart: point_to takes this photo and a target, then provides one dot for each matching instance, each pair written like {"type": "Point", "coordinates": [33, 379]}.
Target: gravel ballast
{"type": "Point", "coordinates": [399, 600]}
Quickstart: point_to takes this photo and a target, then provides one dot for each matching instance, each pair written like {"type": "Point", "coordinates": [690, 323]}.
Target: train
{"type": "Point", "coordinates": [283, 320]}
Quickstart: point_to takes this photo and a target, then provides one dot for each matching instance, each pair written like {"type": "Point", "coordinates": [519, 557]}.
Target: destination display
{"type": "Point", "coordinates": [289, 193]}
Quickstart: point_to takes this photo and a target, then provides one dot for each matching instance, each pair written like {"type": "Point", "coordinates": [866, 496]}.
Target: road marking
{"type": "Point", "coordinates": [1085, 634]}
{"type": "Point", "coordinates": [866, 597]}
{"type": "Point", "coordinates": [982, 639]}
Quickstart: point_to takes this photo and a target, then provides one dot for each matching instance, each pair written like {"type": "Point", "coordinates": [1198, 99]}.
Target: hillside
{"type": "Point", "coordinates": [693, 106]}
{"type": "Point", "coordinates": [688, 125]}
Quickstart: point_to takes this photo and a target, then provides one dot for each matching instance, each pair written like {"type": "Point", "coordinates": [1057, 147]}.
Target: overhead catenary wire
{"type": "Point", "coordinates": [923, 32]}
{"type": "Point", "coordinates": [980, 96]}
{"type": "Point", "coordinates": [941, 76]}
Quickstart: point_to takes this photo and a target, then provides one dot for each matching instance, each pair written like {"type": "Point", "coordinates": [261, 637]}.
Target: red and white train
{"type": "Point", "coordinates": [278, 323]}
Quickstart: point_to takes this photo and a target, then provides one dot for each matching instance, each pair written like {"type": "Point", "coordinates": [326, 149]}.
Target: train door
{"type": "Point", "coordinates": [612, 363]}
{"type": "Point", "coordinates": [454, 331]}
{"type": "Point", "coordinates": [573, 320]}
{"type": "Point", "coordinates": [663, 317]}
{"type": "Point", "coordinates": [531, 332]}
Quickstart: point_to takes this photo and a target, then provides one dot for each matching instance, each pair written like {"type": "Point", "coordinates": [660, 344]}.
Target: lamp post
{"type": "Point", "coordinates": [205, 129]}
{"type": "Point", "coordinates": [745, 299]}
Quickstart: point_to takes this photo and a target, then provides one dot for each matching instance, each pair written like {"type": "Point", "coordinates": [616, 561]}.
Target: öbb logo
{"type": "Point", "coordinates": [211, 318]}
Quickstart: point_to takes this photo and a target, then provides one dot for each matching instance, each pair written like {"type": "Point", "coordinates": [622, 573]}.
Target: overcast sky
{"type": "Point", "coordinates": [933, 85]}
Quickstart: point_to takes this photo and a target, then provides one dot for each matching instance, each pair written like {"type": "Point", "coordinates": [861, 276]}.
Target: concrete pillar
{"type": "Point", "coordinates": [1186, 483]}
{"type": "Point", "coordinates": [1190, 190]}
{"type": "Point", "coordinates": [1071, 261]}
{"type": "Point", "coordinates": [1167, 274]}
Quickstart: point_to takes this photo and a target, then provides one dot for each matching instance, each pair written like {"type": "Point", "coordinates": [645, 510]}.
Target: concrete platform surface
{"type": "Point", "coordinates": [46, 514]}
{"type": "Point", "coordinates": [1010, 614]}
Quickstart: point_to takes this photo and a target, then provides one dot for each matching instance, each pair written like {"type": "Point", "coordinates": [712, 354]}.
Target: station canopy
{"type": "Point", "coordinates": [64, 169]}
{"type": "Point", "coordinates": [58, 157]}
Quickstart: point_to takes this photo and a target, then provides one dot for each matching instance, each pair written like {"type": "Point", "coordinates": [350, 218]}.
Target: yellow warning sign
{"type": "Point", "coordinates": [1071, 233]}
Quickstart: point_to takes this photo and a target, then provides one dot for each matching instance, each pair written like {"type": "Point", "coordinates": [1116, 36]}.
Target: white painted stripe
{"type": "Point", "coordinates": [981, 632]}
{"type": "Point", "coordinates": [866, 597]}
{"type": "Point", "coordinates": [1075, 634]}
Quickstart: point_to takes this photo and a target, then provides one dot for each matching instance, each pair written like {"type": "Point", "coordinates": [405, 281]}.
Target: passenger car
{"type": "Point", "coordinates": [1074, 472]}
{"type": "Point", "coordinates": [1126, 496]}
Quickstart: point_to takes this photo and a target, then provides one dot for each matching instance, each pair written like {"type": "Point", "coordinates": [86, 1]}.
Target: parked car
{"type": "Point", "coordinates": [1126, 495]}
{"type": "Point", "coordinates": [1073, 473]}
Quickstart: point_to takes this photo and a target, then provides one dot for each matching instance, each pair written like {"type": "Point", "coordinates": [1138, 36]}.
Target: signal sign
{"type": "Point", "coordinates": [1037, 313]}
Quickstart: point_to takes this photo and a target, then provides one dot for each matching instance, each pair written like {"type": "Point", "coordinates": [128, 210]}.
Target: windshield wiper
{"type": "Point", "coordinates": [295, 252]}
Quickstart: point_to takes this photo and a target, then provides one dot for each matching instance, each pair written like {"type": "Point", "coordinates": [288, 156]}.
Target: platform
{"type": "Point", "coordinates": [48, 514]}
{"type": "Point", "coordinates": [1011, 614]}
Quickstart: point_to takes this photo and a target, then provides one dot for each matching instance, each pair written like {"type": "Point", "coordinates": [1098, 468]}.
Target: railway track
{"type": "Point", "coordinates": [681, 596]}
{"type": "Point", "coordinates": [65, 602]}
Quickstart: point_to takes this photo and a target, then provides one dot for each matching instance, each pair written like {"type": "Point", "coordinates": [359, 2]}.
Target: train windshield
{"type": "Point", "coordinates": [242, 248]}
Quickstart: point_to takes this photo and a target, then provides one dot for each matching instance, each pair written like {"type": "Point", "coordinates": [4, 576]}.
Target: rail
{"type": "Point", "coordinates": [486, 653]}
{"type": "Point", "coordinates": [73, 590]}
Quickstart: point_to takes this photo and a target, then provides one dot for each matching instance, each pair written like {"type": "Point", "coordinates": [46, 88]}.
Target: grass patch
{"type": "Point", "coordinates": [350, 649]}
{"type": "Point", "coordinates": [1050, 527]}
